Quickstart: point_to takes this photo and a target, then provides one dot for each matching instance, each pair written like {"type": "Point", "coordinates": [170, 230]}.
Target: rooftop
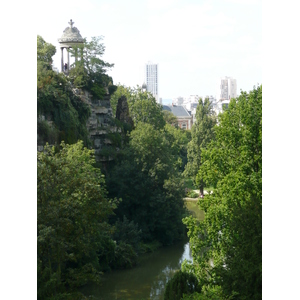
{"type": "Point", "coordinates": [178, 111]}
{"type": "Point", "coordinates": [71, 34]}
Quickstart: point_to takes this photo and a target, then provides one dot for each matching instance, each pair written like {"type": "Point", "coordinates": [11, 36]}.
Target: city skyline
{"type": "Point", "coordinates": [195, 43]}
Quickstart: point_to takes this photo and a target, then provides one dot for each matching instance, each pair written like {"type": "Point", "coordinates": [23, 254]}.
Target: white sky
{"type": "Point", "coordinates": [194, 42]}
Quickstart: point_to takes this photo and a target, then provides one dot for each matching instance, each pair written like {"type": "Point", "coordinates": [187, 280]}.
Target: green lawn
{"type": "Point", "coordinates": [193, 208]}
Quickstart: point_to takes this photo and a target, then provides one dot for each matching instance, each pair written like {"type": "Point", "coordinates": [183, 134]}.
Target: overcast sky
{"type": "Point", "coordinates": [194, 42]}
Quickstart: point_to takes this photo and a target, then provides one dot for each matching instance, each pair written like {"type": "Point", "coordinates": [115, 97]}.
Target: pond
{"type": "Point", "coordinates": [147, 280]}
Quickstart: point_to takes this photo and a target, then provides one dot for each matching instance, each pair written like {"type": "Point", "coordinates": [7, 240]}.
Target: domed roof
{"type": "Point", "coordinates": [144, 86]}
{"type": "Point", "coordinates": [71, 34]}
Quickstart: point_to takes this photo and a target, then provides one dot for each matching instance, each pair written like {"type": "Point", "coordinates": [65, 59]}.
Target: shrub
{"type": "Point", "coordinates": [128, 232]}
{"type": "Point", "coordinates": [192, 194]}
{"type": "Point", "coordinates": [181, 283]}
{"type": "Point", "coordinates": [125, 256]}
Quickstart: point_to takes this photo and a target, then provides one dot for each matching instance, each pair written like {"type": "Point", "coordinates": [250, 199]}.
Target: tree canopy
{"type": "Point", "coordinates": [72, 214]}
{"type": "Point", "coordinates": [142, 106]}
{"type": "Point", "coordinates": [226, 246]}
{"type": "Point", "coordinates": [45, 52]}
{"type": "Point", "coordinates": [56, 101]}
{"type": "Point", "coordinates": [145, 178]}
{"type": "Point", "coordinates": [89, 70]}
{"type": "Point", "coordinates": [202, 134]}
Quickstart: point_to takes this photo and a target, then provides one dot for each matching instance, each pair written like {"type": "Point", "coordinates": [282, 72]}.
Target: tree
{"type": "Point", "coordinates": [121, 91]}
{"type": "Point", "coordinates": [144, 108]}
{"type": "Point", "coordinates": [89, 70]}
{"type": "Point", "coordinates": [72, 214]}
{"type": "Point", "coordinates": [45, 52]}
{"type": "Point", "coordinates": [226, 246]}
{"type": "Point", "coordinates": [182, 283]}
{"type": "Point", "coordinates": [179, 139]}
{"type": "Point", "coordinates": [145, 178]}
{"type": "Point", "coordinates": [170, 118]}
{"type": "Point", "coordinates": [56, 101]}
{"type": "Point", "coordinates": [202, 134]}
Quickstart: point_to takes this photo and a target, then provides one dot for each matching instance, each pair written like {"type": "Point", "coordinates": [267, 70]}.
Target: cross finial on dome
{"type": "Point", "coordinates": [71, 23]}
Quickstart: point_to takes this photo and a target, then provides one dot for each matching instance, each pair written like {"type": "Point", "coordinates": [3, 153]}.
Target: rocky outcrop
{"type": "Point", "coordinates": [122, 113]}
{"type": "Point", "coordinates": [100, 124]}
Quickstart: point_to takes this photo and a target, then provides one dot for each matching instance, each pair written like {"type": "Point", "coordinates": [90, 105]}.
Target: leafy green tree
{"type": "Point", "coordinates": [151, 190]}
{"type": "Point", "coordinates": [227, 245]}
{"type": "Point", "coordinates": [72, 214]}
{"type": "Point", "coordinates": [127, 232]}
{"type": "Point", "coordinates": [170, 118]}
{"type": "Point", "coordinates": [202, 134]}
{"type": "Point", "coordinates": [180, 284]}
{"type": "Point", "coordinates": [45, 52]}
{"type": "Point", "coordinates": [179, 140]}
{"type": "Point", "coordinates": [56, 101]}
{"type": "Point", "coordinates": [121, 91]}
{"type": "Point", "coordinates": [144, 108]}
{"type": "Point", "coordinates": [89, 70]}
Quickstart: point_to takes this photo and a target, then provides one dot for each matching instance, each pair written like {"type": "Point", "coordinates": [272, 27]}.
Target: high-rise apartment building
{"type": "Point", "coordinates": [151, 79]}
{"type": "Point", "coordinates": [226, 88]}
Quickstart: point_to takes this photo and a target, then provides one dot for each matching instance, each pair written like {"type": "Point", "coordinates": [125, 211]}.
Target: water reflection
{"type": "Point", "coordinates": [147, 280]}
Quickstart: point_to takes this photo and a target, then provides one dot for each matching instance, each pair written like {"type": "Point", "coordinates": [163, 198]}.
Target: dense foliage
{"type": "Point", "coordinates": [146, 172]}
{"type": "Point", "coordinates": [57, 102]}
{"type": "Point", "coordinates": [79, 235]}
{"type": "Point", "coordinates": [121, 91]}
{"type": "Point", "coordinates": [142, 106]}
{"type": "Point", "coordinates": [182, 283]}
{"type": "Point", "coordinates": [179, 139]}
{"type": "Point", "coordinates": [72, 220]}
{"type": "Point", "coordinates": [89, 70]}
{"type": "Point", "coordinates": [227, 245]}
{"type": "Point", "coordinates": [145, 178]}
{"type": "Point", "coordinates": [202, 134]}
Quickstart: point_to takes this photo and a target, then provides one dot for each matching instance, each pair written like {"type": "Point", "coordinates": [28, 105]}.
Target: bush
{"type": "Point", "coordinates": [46, 133]}
{"type": "Point", "coordinates": [181, 283]}
{"type": "Point", "coordinates": [192, 194]}
{"type": "Point", "coordinates": [128, 232]}
{"type": "Point", "coordinates": [125, 256]}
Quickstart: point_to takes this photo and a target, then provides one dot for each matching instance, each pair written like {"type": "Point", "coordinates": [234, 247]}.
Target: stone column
{"type": "Point", "coordinates": [68, 59]}
{"type": "Point", "coordinates": [62, 59]}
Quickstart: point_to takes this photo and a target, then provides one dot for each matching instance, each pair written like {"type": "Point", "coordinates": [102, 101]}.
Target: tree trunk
{"type": "Point", "coordinates": [201, 188]}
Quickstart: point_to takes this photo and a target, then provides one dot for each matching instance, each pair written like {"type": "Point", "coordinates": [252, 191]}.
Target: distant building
{"type": "Point", "coordinates": [177, 101]}
{"type": "Point", "coordinates": [151, 79]}
{"type": "Point", "coordinates": [184, 118]}
{"type": "Point", "coordinates": [226, 89]}
{"type": "Point", "coordinates": [221, 105]}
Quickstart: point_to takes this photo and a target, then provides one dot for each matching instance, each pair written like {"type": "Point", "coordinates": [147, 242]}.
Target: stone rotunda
{"type": "Point", "coordinates": [70, 38]}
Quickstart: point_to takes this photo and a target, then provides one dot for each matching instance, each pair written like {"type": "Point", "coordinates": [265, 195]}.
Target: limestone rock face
{"type": "Point", "coordinates": [122, 113]}
{"type": "Point", "coordinates": [100, 124]}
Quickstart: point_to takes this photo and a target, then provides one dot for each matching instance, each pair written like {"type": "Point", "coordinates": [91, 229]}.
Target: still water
{"type": "Point", "coordinates": [147, 280]}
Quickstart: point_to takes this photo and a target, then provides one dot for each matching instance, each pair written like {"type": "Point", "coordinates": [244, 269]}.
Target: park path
{"type": "Point", "coordinates": [194, 199]}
